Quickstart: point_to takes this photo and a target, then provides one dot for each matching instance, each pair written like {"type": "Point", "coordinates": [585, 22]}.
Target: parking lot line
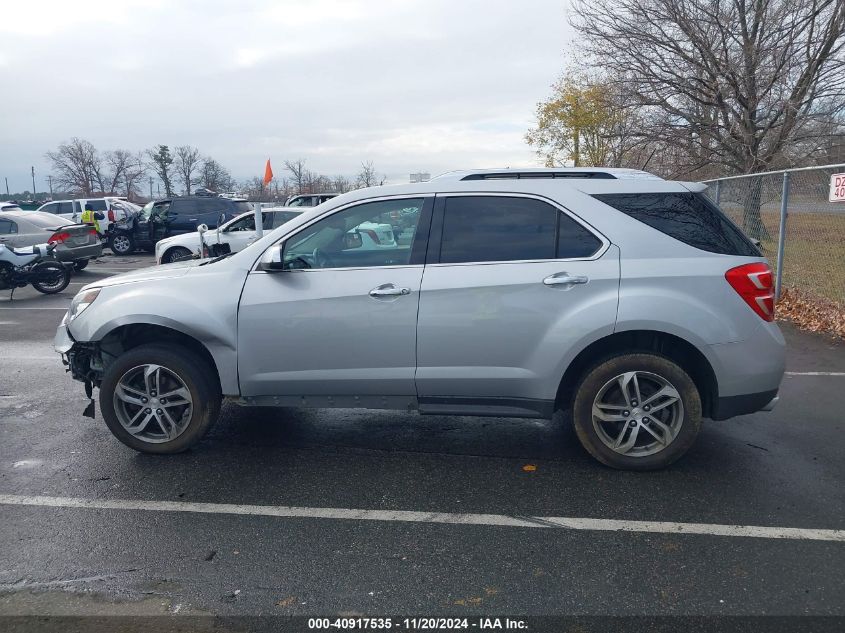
{"type": "Point", "coordinates": [815, 373]}
{"type": "Point", "coordinates": [498, 520]}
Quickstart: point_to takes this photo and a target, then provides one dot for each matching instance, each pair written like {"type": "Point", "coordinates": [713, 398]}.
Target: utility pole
{"type": "Point", "coordinates": [33, 181]}
{"type": "Point", "coordinates": [7, 186]}
{"type": "Point", "coordinates": [50, 183]}
{"type": "Point", "coordinates": [151, 187]}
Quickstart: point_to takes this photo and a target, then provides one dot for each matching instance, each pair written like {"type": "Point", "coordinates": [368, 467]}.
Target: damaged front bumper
{"type": "Point", "coordinates": [83, 360]}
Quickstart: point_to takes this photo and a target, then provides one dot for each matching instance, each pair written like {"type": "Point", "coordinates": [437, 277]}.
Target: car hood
{"type": "Point", "coordinates": [165, 271]}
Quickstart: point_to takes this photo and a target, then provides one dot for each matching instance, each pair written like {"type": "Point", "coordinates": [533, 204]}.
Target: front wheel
{"type": "Point", "coordinates": [121, 244]}
{"type": "Point", "coordinates": [637, 411]}
{"type": "Point", "coordinates": [159, 399]}
{"type": "Point", "coordinates": [50, 277]}
{"type": "Point", "coordinates": [175, 254]}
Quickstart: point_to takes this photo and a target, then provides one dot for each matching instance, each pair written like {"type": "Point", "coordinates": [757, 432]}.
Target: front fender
{"type": "Point", "coordinates": [202, 306]}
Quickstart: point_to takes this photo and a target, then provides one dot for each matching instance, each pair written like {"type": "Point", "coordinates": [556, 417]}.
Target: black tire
{"type": "Point", "coordinates": [175, 254]}
{"type": "Point", "coordinates": [191, 369]}
{"type": "Point", "coordinates": [54, 277]}
{"type": "Point", "coordinates": [122, 243]}
{"type": "Point", "coordinates": [80, 264]}
{"type": "Point", "coordinates": [603, 373]}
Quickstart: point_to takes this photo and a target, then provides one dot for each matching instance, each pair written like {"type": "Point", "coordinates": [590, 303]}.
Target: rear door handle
{"type": "Point", "coordinates": [389, 290]}
{"type": "Point", "coordinates": [565, 279]}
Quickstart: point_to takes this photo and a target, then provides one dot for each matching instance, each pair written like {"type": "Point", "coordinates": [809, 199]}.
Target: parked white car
{"type": "Point", "coordinates": [231, 237]}
{"type": "Point", "coordinates": [113, 208]}
{"type": "Point", "coordinates": [239, 233]}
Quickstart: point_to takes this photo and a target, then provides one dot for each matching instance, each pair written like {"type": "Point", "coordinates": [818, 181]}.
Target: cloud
{"type": "Point", "coordinates": [409, 84]}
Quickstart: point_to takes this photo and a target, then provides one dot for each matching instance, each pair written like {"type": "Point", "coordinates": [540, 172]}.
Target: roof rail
{"type": "Point", "coordinates": [518, 175]}
{"type": "Point", "coordinates": [549, 173]}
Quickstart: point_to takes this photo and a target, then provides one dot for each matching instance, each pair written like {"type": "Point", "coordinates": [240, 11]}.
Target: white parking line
{"type": "Point", "coordinates": [815, 373]}
{"type": "Point", "coordinates": [499, 520]}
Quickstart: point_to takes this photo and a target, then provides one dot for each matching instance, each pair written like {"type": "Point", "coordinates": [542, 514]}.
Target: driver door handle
{"type": "Point", "coordinates": [565, 279]}
{"type": "Point", "coordinates": [389, 290]}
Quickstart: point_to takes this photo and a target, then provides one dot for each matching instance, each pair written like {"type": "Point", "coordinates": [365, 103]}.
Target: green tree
{"type": "Point", "coordinates": [162, 165]}
{"type": "Point", "coordinates": [584, 123]}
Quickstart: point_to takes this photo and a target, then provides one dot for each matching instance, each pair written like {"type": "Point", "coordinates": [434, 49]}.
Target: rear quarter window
{"type": "Point", "coordinates": [688, 217]}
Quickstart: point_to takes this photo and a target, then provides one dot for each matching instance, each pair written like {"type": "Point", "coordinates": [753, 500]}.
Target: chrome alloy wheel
{"type": "Point", "coordinates": [153, 403]}
{"type": "Point", "coordinates": [122, 243]}
{"type": "Point", "coordinates": [637, 413]}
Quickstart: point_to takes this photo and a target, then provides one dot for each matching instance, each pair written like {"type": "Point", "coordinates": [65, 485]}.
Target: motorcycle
{"type": "Point", "coordinates": [34, 265]}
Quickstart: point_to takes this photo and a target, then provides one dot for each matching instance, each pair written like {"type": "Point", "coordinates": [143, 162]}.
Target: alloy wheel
{"type": "Point", "coordinates": [153, 403]}
{"type": "Point", "coordinates": [637, 413]}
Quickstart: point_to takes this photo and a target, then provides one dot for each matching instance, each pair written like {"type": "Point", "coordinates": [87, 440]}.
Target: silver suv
{"type": "Point", "coordinates": [629, 301]}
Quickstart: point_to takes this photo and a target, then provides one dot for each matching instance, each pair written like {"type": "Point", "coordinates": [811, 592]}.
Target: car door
{"type": "Point", "coordinates": [337, 322]}
{"type": "Point", "coordinates": [182, 216]}
{"type": "Point", "coordinates": [512, 283]}
{"type": "Point", "coordinates": [241, 233]}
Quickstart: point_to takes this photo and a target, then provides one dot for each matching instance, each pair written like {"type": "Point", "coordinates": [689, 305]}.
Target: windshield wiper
{"type": "Point", "coordinates": [217, 259]}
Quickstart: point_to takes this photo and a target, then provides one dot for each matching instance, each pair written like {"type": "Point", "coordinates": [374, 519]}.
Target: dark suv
{"type": "Point", "coordinates": [165, 218]}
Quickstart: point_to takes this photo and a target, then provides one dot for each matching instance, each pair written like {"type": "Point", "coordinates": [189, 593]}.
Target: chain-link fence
{"type": "Point", "coordinates": [801, 233]}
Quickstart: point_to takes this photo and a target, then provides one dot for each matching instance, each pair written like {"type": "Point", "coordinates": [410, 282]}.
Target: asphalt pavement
{"type": "Point", "coordinates": [257, 538]}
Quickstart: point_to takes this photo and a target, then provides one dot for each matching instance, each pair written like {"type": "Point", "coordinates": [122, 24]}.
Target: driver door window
{"type": "Point", "coordinates": [382, 233]}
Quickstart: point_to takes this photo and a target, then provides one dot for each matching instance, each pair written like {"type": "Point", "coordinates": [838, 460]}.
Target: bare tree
{"type": "Point", "coordinates": [739, 83]}
{"type": "Point", "coordinates": [162, 164]}
{"type": "Point", "coordinates": [187, 162]}
{"type": "Point", "coordinates": [743, 85]}
{"type": "Point", "coordinates": [298, 172]}
{"type": "Point", "coordinates": [368, 177]}
{"type": "Point", "coordinates": [133, 173]}
{"type": "Point", "coordinates": [341, 184]}
{"type": "Point", "coordinates": [213, 176]}
{"type": "Point", "coordinates": [77, 166]}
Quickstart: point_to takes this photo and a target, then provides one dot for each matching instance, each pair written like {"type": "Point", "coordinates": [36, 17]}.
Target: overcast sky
{"type": "Point", "coordinates": [413, 85]}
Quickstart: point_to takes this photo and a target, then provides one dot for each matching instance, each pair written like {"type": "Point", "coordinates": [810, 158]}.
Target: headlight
{"type": "Point", "coordinates": [81, 301]}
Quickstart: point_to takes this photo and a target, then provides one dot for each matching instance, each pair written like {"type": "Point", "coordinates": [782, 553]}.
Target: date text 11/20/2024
{"type": "Point", "coordinates": [417, 624]}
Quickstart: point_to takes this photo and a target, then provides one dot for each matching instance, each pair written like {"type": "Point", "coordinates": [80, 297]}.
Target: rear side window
{"type": "Point", "coordinates": [501, 228]}
{"type": "Point", "coordinates": [7, 227]}
{"type": "Point", "coordinates": [688, 217]}
{"type": "Point", "coordinates": [184, 206]}
{"type": "Point", "coordinates": [65, 207]}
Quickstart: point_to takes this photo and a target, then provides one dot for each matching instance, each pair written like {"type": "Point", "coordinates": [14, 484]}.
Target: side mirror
{"type": "Point", "coordinates": [202, 228]}
{"type": "Point", "coordinates": [271, 261]}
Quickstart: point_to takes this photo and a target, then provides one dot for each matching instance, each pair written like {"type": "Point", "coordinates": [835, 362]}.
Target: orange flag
{"type": "Point", "coordinates": [268, 173]}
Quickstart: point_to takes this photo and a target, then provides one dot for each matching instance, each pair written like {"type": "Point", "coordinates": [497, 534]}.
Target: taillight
{"type": "Point", "coordinates": [58, 238]}
{"type": "Point", "coordinates": [753, 282]}
{"type": "Point", "coordinates": [372, 235]}
{"type": "Point", "coordinates": [111, 215]}
{"type": "Point", "coordinates": [93, 232]}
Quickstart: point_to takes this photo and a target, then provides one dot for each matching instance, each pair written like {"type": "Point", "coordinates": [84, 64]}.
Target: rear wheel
{"type": "Point", "coordinates": [159, 399]}
{"type": "Point", "coordinates": [50, 277]}
{"type": "Point", "coordinates": [637, 411]}
{"type": "Point", "coordinates": [121, 244]}
{"type": "Point", "coordinates": [175, 254]}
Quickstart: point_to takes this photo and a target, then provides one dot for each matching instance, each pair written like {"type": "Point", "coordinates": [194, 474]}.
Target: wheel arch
{"type": "Point", "coordinates": [682, 352]}
{"type": "Point", "coordinates": [132, 335]}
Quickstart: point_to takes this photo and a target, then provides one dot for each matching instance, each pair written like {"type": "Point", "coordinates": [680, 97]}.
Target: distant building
{"type": "Point", "coordinates": [422, 176]}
